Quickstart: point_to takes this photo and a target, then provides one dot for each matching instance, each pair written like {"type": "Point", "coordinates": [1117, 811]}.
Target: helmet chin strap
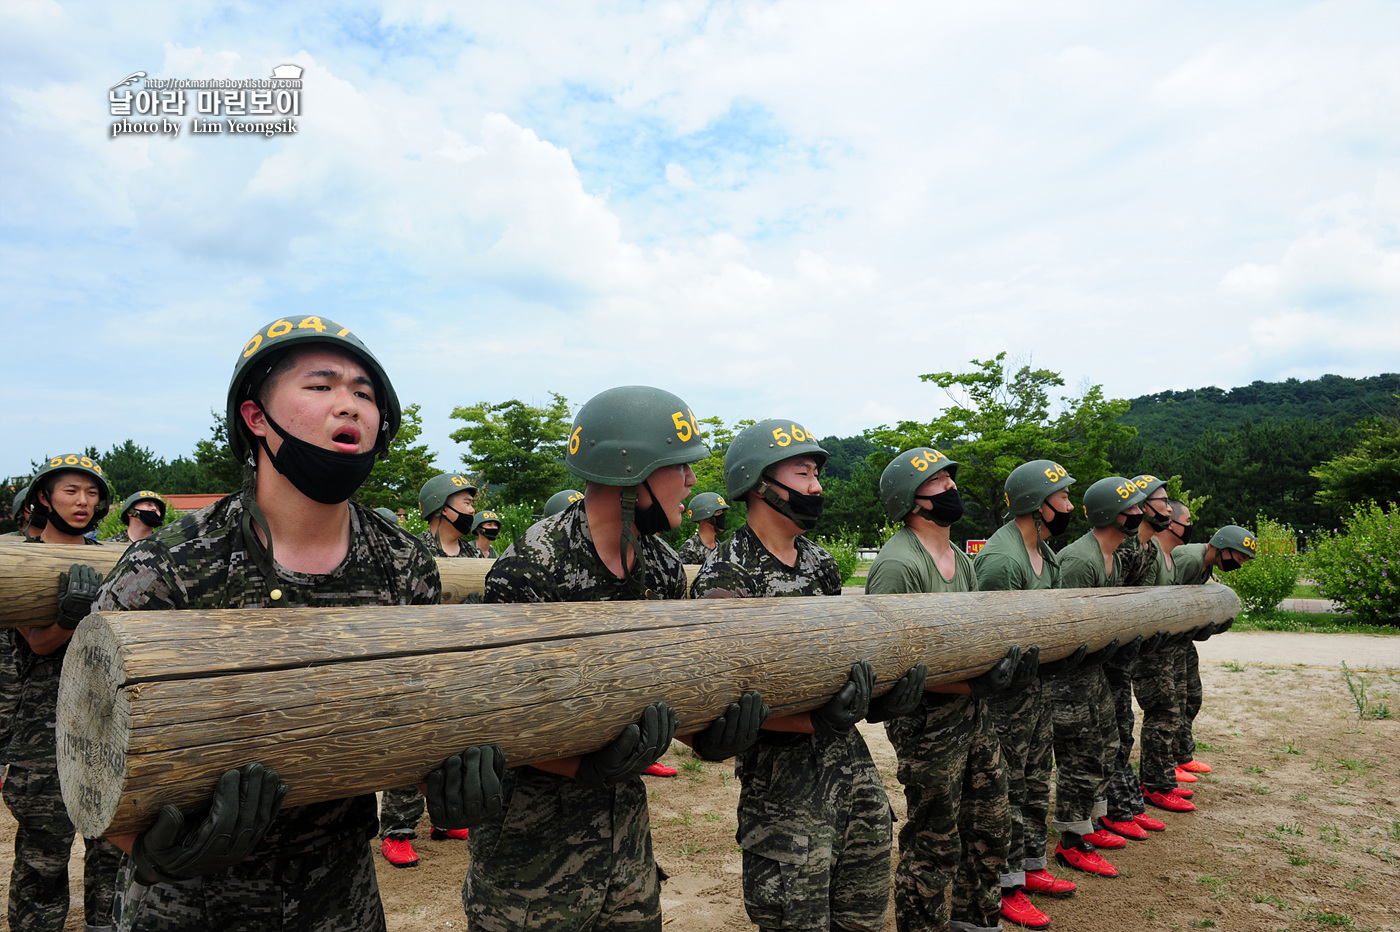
{"type": "Point", "coordinates": [253, 515]}
{"type": "Point", "coordinates": [635, 578]}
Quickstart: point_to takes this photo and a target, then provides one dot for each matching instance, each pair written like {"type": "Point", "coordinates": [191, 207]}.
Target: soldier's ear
{"type": "Point", "coordinates": [253, 418]}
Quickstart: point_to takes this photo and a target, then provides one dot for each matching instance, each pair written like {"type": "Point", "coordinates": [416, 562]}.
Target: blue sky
{"type": "Point", "coordinates": [786, 209]}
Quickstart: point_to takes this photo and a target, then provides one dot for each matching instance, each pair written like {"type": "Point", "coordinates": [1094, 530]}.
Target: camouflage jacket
{"type": "Point", "coordinates": [202, 561]}
{"type": "Point", "coordinates": [743, 566]}
{"type": "Point", "coordinates": [121, 537]}
{"type": "Point", "coordinates": [466, 548]}
{"type": "Point", "coordinates": [1137, 562]}
{"type": "Point", "coordinates": [695, 552]}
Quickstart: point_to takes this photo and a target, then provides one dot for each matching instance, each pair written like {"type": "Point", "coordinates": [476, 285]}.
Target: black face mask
{"type": "Point", "coordinates": [653, 518]}
{"type": "Point", "coordinates": [462, 523]}
{"type": "Point", "coordinates": [1157, 522]}
{"type": "Point", "coordinates": [43, 516]}
{"type": "Point", "coordinates": [718, 521]}
{"type": "Point", "coordinates": [1229, 564]}
{"type": "Point", "coordinates": [148, 518]}
{"type": "Point", "coordinates": [326, 476]}
{"type": "Point", "coordinates": [802, 510]}
{"type": "Point", "coordinates": [944, 509]}
{"type": "Point", "coordinates": [1058, 524]}
{"type": "Point", "coordinates": [37, 519]}
{"type": "Point", "coordinates": [1130, 523]}
{"type": "Point", "coordinates": [1183, 535]}
{"type": "Point", "coordinates": [489, 532]}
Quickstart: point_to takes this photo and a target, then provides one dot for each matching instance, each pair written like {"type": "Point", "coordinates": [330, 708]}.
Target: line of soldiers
{"type": "Point", "coordinates": [566, 844]}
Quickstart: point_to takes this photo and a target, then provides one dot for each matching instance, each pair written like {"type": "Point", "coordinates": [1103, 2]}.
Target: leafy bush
{"type": "Point", "coordinates": [1268, 579]}
{"type": "Point", "coordinates": [845, 549]}
{"type": "Point", "coordinates": [112, 523]}
{"type": "Point", "coordinates": [1357, 567]}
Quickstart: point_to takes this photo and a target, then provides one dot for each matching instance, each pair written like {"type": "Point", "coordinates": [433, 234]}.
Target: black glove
{"type": "Point", "coordinates": [1027, 670]}
{"type": "Point", "coordinates": [848, 706]}
{"type": "Point", "coordinates": [1129, 651]}
{"type": "Point", "coordinates": [1155, 643]}
{"type": "Point", "coordinates": [76, 590]}
{"type": "Point", "coordinates": [245, 804]}
{"type": "Point", "coordinates": [903, 698]}
{"type": "Point", "coordinates": [1204, 632]}
{"type": "Point", "coordinates": [637, 748]}
{"type": "Point", "coordinates": [1065, 664]}
{"type": "Point", "coordinates": [1226, 626]}
{"type": "Point", "coordinates": [735, 731]}
{"type": "Point", "coordinates": [466, 790]}
{"type": "Point", "coordinates": [998, 677]}
{"type": "Point", "coordinates": [1102, 654]}
{"type": "Point", "coordinates": [1181, 637]}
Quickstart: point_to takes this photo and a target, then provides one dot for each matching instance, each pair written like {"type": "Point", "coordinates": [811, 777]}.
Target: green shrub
{"type": "Point", "coordinates": [1357, 567]}
{"type": "Point", "coordinates": [1268, 579]}
{"type": "Point", "coordinates": [845, 549]}
{"type": "Point", "coordinates": [112, 523]}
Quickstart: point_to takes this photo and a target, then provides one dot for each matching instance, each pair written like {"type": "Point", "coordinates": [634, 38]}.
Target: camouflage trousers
{"type": "Point", "coordinates": [400, 811]}
{"type": "Point", "coordinates": [1124, 790]}
{"type": "Point", "coordinates": [1086, 741]}
{"type": "Point", "coordinates": [958, 829]}
{"type": "Point", "coordinates": [1023, 726]}
{"type": "Point", "coordinates": [1154, 683]}
{"type": "Point", "coordinates": [564, 856]}
{"type": "Point", "coordinates": [43, 841]}
{"type": "Point", "coordinates": [330, 887]}
{"type": "Point", "coordinates": [1188, 671]}
{"type": "Point", "coordinates": [814, 823]}
{"type": "Point", "coordinates": [9, 698]}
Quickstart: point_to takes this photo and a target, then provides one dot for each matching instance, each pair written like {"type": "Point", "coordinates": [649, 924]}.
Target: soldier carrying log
{"type": "Point", "coordinates": [309, 410]}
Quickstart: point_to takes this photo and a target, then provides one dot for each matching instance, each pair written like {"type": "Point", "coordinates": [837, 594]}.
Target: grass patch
{"type": "Point", "coordinates": [1304, 592]}
{"type": "Point", "coordinates": [1234, 668]}
{"type": "Point", "coordinates": [1291, 747]}
{"type": "Point", "coordinates": [1329, 919]}
{"type": "Point", "coordinates": [1203, 923]}
{"type": "Point", "coordinates": [1298, 857]}
{"type": "Point", "coordinates": [1260, 789]}
{"type": "Point", "coordinates": [1289, 828]}
{"type": "Point", "coordinates": [1271, 900]}
{"type": "Point", "coordinates": [1311, 623]}
{"type": "Point", "coordinates": [1364, 707]}
{"type": "Point", "coordinates": [1254, 770]}
{"type": "Point", "coordinates": [693, 766]}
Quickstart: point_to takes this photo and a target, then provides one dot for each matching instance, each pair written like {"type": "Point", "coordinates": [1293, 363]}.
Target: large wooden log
{"type": "Point", "coordinates": [29, 577]}
{"type": "Point", "coordinates": [153, 705]}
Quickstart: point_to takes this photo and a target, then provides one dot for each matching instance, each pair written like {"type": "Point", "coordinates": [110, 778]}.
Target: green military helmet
{"type": "Point", "coordinates": [18, 505]}
{"type": "Point", "coordinates": [1148, 484]}
{"type": "Point", "coordinates": [1106, 499]}
{"type": "Point", "coordinates": [761, 445]}
{"type": "Point", "coordinates": [482, 517]}
{"type": "Point", "coordinates": [705, 505]}
{"type": "Point", "coordinates": [137, 498]}
{"type": "Point", "coordinates": [561, 500]}
{"type": "Point", "coordinates": [388, 514]}
{"type": "Point", "coordinates": [1030, 484]}
{"type": "Point", "coordinates": [437, 490]}
{"type": "Point", "coordinates": [1234, 537]}
{"type": "Point", "coordinates": [905, 473]}
{"type": "Point", "coordinates": [72, 462]}
{"type": "Point", "coordinates": [623, 435]}
{"type": "Point", "coordinates": [264, 350]}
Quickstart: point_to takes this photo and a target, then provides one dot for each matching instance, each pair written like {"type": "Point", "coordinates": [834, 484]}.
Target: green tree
{"type": "Point", "coordinates": [999, 420]}
{"type": "Point", "coordinates": [396, 478]}
{"type": "Point", "coordinates": [130, 468]}
{"type": "Point", "coordinates": [220, 471]}
{"type": "Point", "coordinates": [1371, 471]}
{"type": "Point", "coordinates": [516, 446]}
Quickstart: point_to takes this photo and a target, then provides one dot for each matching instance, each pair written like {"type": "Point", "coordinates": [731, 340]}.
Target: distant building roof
{"type": "Point", "coordinates": [193, 502]}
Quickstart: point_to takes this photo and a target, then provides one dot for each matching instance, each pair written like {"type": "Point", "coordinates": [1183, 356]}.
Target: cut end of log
{"type": "Point", "coordinates": [96, 712]}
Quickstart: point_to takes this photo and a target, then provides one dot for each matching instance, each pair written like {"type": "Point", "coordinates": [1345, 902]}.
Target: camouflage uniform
{"type": "Point", "coordinates": [1022, 719]}
{"type": "Point", "coordinates": [121, 537]}
{"type": "Point", "coordinates": [44, 837]}
{"type": "Point", "coordinates": [814, 820]}
{"type": "Point", "coordinates": [1190, 570]}
{"type": "Point", "coordinates": [561, 855]}
{"type": "Point", "coordinates": [955, 781]}
{"type": "Point", "coordinates": [694, 551]}
{"type": "Point", "coordinates": [1154, 683]}
{"type": "Point", "coordinates": [1086, 730]}
{"type": "Point", "coordinates": [1137, 566]}
{"type": "Point", "coordinates": [312, 872]}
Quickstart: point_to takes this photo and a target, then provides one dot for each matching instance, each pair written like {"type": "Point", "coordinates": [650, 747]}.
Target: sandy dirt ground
{"type": "Point", "coordinates": [1298, 825]}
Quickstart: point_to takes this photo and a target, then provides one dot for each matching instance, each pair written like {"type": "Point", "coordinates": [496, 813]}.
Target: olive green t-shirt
{"type": "Point", "coordinates": [1190, 565]}
{"type": "Point", "coordinates": [1003, 563]}
{"type": "Point", "coordinates": [904, 565]}
{"type": "Point", "coordinates": [1081, 565]}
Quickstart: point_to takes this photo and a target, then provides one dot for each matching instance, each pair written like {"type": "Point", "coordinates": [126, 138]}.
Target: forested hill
{"type": "Point", "coordinates": [1184, 416]}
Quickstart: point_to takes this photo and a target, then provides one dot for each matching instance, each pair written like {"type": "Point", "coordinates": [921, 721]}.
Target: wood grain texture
{"type": "Point", "coordinates": [29, 577]}
{"type": "Point", "coordinates": [154, 705]}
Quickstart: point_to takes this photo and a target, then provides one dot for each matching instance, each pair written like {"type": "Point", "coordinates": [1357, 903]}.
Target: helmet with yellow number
{"type": "Point", "coordinates": [622, 435]}
{"type": "Point", "coordinates": [760, 446]}
{"type": "Point", "coordinates": [1030, 484]}
{"type": "Point", "coordinates": [905, 473]}
{"type": "Point", "coordinates": [561, 500]}
{"type": "Point", "coordinates": [71, 462]}
{"type": "Point", "coordinates": [705, 505]}
{"type": "Point", "coordinates": [266, 348]}
{"type": "Point", "coordinates": [1234, 537]}
{"type": "Point", "coordinates": [482, 517]}
{"type": "Point", "coordinates": [437, 490]}
{"type": "Point", "coordinates": [137, 498]}
{"type": "Point", "coordinates": [1106, 499]}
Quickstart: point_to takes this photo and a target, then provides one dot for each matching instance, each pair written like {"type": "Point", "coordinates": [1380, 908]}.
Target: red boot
{"type": "Point", "coordinates": [1046, 883]}
{"type": "Point", "coordinates": [1168, 801]}
{"type": "Point", "coordinates": [399, 852]}
{"type": "Point", "coordinates": [1149, 823]}
{"type": "Point", "coordinates": [660, 770]}
{"type": "Point", "coordinates": [1182, 792]}
{"type": "Point", "coordinates": [1083, 857]}
{"type": "Point", "coordinates": [1184, 776]}
{"type": "Point", "coordinates": [1195, 766]}
{"type": "Point", "coordinates": [1018, 908]}
{"type": "Point", "coordinates": [1127, 829]}
{"type": "Point", "coordinates": [442, 834]}
{"type": "Point", "coordinates": [1101, 838]}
